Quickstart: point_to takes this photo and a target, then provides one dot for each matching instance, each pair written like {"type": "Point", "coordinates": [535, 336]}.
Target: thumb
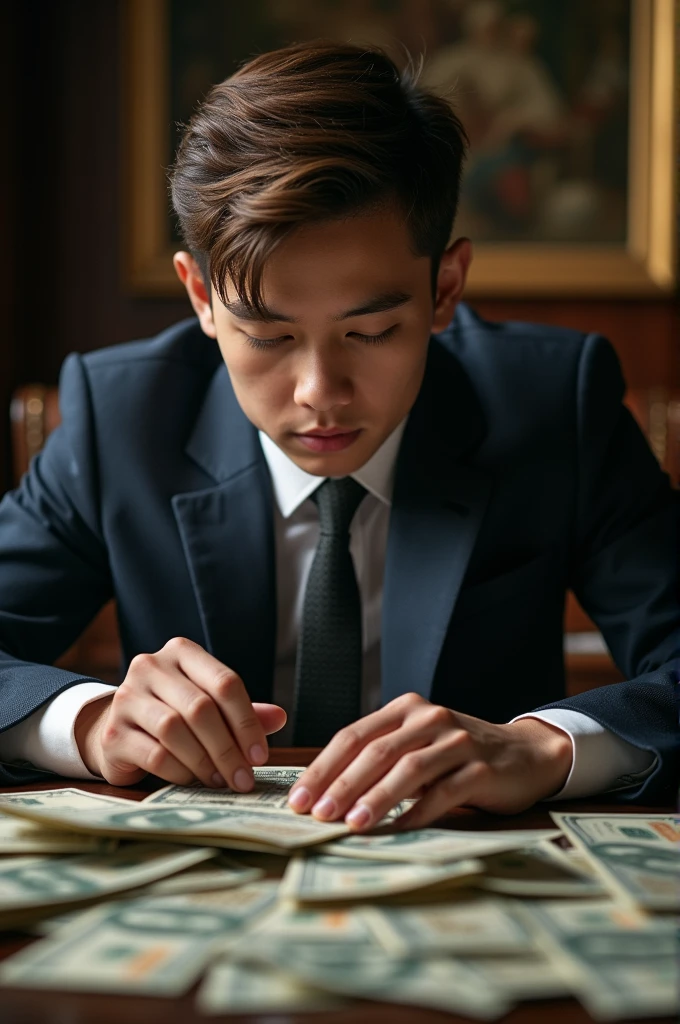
{"type": "Point", "coordinates": [272, 717]}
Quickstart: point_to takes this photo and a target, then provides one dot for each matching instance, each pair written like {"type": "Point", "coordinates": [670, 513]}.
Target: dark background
{"type": "Point", "coordinates": [62, 286]}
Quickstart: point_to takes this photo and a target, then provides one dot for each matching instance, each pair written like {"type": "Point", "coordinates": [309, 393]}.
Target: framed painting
{"type": "Point", "coordinates": [570, 185]}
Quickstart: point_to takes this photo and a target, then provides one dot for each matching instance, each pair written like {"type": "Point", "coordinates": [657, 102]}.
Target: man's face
{"type": "Point", "coordinates": [345, 352]}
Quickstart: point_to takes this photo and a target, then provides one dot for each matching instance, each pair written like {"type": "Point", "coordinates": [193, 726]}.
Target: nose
{"type": "Point", "coordinates": [322, 382]}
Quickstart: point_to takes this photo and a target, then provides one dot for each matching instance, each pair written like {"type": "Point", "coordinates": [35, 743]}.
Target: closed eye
{"type": "Point", "coordinates": [370, 339]}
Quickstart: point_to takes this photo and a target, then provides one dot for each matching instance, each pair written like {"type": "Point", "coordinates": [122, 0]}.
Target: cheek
{"type": "Point", "coordinates": [395, 372]}
{"type": "Point", "coordinates": [260, 384]}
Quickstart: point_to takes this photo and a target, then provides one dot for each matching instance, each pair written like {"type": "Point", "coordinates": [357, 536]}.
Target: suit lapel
{"type": "Point", "coordinates": [228, 539]}
{"type": "Point", "coordinates": [437, 509]}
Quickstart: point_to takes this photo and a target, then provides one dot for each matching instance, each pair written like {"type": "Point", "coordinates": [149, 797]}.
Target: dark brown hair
{"type": "Point", "coordinates": [312, 132]}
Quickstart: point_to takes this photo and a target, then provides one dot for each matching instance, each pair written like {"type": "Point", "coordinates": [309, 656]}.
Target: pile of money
{"type": "Point", "coordinates": [272, 912]}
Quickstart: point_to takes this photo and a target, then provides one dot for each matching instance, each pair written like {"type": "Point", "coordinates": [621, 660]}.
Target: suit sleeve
{"type": "Point", "coordinates": [625, 571]}
{"type": "Point", "coordinates": [54, 571]}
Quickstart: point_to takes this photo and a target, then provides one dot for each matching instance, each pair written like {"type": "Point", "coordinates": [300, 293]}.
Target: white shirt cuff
{"type": "Point", "coordinates": [46, 738]}
{"type": "Point", "coordinates": [601, 761]}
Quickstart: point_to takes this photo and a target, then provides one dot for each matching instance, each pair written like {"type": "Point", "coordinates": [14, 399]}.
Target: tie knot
{"type": "Point", "coordinates": [337, 501]}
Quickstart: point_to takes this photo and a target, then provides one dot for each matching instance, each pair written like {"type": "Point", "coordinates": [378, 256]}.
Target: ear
{"type": "Point", "coordinates": [453, 271]}
{"type": "Point", "coordinates": [188, 272]}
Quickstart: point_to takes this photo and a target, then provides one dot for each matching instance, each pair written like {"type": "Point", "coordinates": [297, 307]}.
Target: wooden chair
{"type": "Point", "coordinates": [35, 412]}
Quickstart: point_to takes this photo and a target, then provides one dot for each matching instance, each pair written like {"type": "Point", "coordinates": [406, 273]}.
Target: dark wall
{"type": "Point", "coordinates": [65, 191]}
{"type": "Point", "coordinates": [61, 286]}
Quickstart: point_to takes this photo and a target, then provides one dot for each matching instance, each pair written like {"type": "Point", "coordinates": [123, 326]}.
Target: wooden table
{"type": "Point", "coordinates": [23, 1007]}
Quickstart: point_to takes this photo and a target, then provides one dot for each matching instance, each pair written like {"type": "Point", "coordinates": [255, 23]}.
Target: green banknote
{"type": "Point", "coordinates": [68, 797]}
{"type": "Point", "coordinates": [327, 878]}
{"type": "Point", "coordinates": [220, 873]}
{"type": "Point", "coordinates": [290, 925]}
{"type": "Point", "coordinates": [526, 976]}
{"type": "Point", "coordinates": [145, 946]}
{"type": "Point", "coordinates": [256, 988]}
{"type": "Point", "coordinates": [42, 885]}
{"type": "Point", "coordinates": [636, 855]}
{"type": "Point", "coordinates": [434, 845]}
{"type": "Point", "coordinates": [18, 836]}
{"type": "Point", "coordinates": [621, 963]}
{"type": "Point", "coordinates": [541, 870]}
{"type": "Point", "coordinates": [268, 830]}
{"type": "Point", "coordinates": [272, 784]}
{"type": "Point", "coordinates": [367, 971]}
{"type": "Point", "coordinates": [466, 926]}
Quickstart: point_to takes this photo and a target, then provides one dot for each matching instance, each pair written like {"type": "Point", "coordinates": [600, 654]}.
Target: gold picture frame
{"type": "Point", "coordinates": [645, 265]}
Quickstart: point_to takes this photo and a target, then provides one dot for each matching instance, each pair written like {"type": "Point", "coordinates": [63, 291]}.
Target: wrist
{"type": "Point", "coordinates": [87, 730]}
{"type": "Point", "coordinates": [552, 752]}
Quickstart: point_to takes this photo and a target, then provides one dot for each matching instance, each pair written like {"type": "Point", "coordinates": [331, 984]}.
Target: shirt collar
{"type": "Point", "coordinates": [293, 485]}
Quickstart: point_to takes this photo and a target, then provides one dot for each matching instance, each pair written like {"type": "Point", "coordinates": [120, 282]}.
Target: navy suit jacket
{"type": "Point", "coordinates": [520, 474]}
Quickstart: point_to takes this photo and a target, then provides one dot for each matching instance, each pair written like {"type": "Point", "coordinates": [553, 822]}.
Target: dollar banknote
{"type": "Point", "coordinates": [636, 855]}
{"type": "Point", "coordinates": [289, 924]}
{"type": "Point", "coordinates": [329, 878]}
{"type": "Point", "coordinates": [526, 976]}
{"type": "Point", "coordinates": [541, 870]}
{"type": "Point", "coordinates": [272, 785]}
{"type": "Point", "coordinates": [434, 845]}
{"type": "Point", "coordinates": [255, 988]}
{"type": "Point", "coordinates": [21, 837]}
{"type": "Point", "coordinates": [368, 971]}
{"type": "Point", "coordinates": [622, 963]}
{"type": "Point", "coordinates": [31, 886]}
{"type": "Point", "coordinates": [270, 829]}
{"type": "Point", "coordinates": [469, 926]}
{"type": "Point", "coordinates": [220, 873]}
{"type": "Point", "coordinates": [145, 946]}
{"type": "Point", "coordinates": [69, 797]}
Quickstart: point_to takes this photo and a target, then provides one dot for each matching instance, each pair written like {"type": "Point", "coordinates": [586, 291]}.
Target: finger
{"type": "Point", "coordinates": [417, 768]}
{"type": "Point", "coordinates": [345, 746]}
{"type": "Point", "coordinates": [226, 688]}
{"type": "Point", "coordinates": [374, 762]}
{"type": "Point", "coordinates": [452, 791]}
{"type": "Point", "coordinates": [136, 747]}
{"type": "Point", "coordinates": [272, 717]}
{"type": "Point", "coordinates": [204, 719]}
{"type": "Point", "coordinates": [166, 724]}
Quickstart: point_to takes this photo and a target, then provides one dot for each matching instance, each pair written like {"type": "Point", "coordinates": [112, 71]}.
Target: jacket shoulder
{"type": "Point", "coordinates": [183, 343]}
{"type": "Point", "coordinates": [509, 340]}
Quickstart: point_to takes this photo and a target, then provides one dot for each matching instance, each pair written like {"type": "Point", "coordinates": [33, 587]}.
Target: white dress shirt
{"type": "Point", "coordinates": [601, 761]}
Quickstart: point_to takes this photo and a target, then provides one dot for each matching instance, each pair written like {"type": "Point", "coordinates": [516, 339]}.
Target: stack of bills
{"type": "Point", "coordinates": [278, 913]}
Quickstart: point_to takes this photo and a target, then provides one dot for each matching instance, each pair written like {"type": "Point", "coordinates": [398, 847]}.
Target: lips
{"type": "Point", "coordinates": [331, 440]}
{"type": "Point", "coordinates": [324, 432]}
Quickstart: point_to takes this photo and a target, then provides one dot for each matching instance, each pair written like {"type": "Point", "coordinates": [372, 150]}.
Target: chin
{"type": "Point", "coordinates": [334, 464]}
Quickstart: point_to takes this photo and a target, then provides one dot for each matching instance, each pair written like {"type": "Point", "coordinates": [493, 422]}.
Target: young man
{"type": "Point", "coordinates": [337, 496]}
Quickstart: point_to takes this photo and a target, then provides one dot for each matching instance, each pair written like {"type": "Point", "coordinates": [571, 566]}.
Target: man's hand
{"type": "Point", "coordinates": [182, 715]}
{"type": "Point", "coordinates": [412, 748]}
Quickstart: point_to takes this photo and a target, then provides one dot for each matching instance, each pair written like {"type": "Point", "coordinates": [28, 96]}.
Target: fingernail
{"type": "Point", "coordinates": [300, 799]}
{"type": "Point", "coordinates": [243, 781]}
{"type": "Point", "coordinates": [359, 816]}
{"type": "Point", "coordinates": [218, 781]}
{"type": "Point", "coordinates": [324, 808]}
{"type": "Point", "coordinates": [257, 754]}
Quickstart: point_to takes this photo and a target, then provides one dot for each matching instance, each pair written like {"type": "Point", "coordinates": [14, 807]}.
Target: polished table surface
{"type": "Point", "coordinates": [23, 1007]}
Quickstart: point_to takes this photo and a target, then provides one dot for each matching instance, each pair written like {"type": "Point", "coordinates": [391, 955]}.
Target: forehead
{"type": "Point", "coordinates": [351, 266]}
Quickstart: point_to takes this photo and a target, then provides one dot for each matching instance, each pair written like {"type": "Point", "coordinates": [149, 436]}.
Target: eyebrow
{"type": "Point", "coordinates": [378, 304]}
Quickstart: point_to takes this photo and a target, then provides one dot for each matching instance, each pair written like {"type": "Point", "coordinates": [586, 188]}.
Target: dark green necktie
{"type": "Point", "coordinates": [328, 667]}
